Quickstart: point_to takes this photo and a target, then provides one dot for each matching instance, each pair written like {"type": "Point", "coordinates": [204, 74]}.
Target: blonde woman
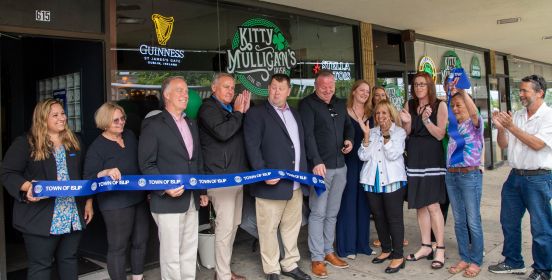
{"type": "Point", "coordinates": [51, 227]}
{"type": "Point", "coordinates": [383, 178]}
{"type": "Point", "coordinates": [125, 213]}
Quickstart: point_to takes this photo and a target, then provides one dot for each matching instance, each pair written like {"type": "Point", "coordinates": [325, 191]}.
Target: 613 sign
{"type": "Point", "coordinates": [42, 15]}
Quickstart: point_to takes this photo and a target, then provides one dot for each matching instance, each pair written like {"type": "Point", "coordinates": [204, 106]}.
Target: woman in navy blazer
{"type": "Point", "coordinates": [51, 227]}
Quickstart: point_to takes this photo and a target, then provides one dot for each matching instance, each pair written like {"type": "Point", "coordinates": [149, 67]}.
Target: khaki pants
{"type": "Point", "coordinates": [228, 208]}
{"type": "Point", "coordinates": [178, 235]}
{"type": "Point", "coordinates": [285, 214]}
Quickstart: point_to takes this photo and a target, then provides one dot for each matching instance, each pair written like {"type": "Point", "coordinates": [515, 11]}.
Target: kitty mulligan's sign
{"type": "Point", "coordinates": [259, 50]}
{"type": "Point", "coordinates": [160, 55]}
{"type": "Point", "coordinates": [449, 61]}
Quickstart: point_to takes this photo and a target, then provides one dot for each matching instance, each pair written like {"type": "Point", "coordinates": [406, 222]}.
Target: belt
{"type": "Point", "coordinates": [534, 172]}
{"type": "Point", "coordinates": [462, 169]}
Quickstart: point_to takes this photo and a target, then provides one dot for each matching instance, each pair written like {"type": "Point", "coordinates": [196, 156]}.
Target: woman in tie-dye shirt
{"type": "Point", "coordinates": [464, 183]}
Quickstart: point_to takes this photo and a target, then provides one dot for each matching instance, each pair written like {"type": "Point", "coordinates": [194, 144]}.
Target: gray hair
{"type": "Point", "coordinates": [220, 75]}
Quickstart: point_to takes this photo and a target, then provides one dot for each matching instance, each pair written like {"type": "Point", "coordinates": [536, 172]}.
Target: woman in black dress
{"type": "Point", "coordinates": [125, 213]}
{"type": "Point", "coordinates": [424, 119]}
{"type": "Point", "coordinates": [353, 220]}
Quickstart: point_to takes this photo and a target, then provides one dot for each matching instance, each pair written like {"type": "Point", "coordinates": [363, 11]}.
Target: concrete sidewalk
{"type": "Point", "coordinates": [248, 263]}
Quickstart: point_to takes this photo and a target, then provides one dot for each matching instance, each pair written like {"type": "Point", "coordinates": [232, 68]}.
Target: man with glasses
{"type": "Point", "coordinates": [528, 136]}
{"type": "Point", "coordinates": [328, 136]}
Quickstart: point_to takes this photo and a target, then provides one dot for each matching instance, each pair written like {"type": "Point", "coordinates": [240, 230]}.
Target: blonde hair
{"type": "Point", "coordinates": [392, 112]}
{"type": "Point", "coordinates": [367, 104]}
{"type": "Point", "coordinates": [104, 114]}
{"type": "Point", "coordinates": [39, 140]}
{"type": "Point", "coordinates": [372, 99]}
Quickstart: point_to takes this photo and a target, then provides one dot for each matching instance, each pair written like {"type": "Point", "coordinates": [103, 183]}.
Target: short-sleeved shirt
{"type": "Point", "coordinates": [473, 138]}
{"type": "Point", "coordinates": [521, 156]}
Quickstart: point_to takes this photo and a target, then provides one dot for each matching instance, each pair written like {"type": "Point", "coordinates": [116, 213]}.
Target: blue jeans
{"type": "Point", "coordinates": [464, 192]}
{"type": "Point", "coordinates": [533, 193]}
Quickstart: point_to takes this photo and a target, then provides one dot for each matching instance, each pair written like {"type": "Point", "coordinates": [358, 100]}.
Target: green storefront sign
{"type": "Point", "coordinates": [259, 50]}
{"type": "Point", "coordinates": [449, 61]}
{"type": "Point", "coordinates": [475, 68]}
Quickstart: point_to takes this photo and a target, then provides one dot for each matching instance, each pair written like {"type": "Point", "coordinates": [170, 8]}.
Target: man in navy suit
{"type": "Point", "coordinates": [169, 144]}
{"type": "Point", "coordinates": [274, 139]}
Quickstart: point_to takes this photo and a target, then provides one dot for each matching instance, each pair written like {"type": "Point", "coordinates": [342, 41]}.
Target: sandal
{"type": "Point", "coordinates": [438, 264]}
{"type": "Point", "coordinates": [472, 271]}
{"type": "Point", "coordinates": [376, 243]}
{"type": "Point", "coordinates": [459, 267]}
{"type": "Point", "coordinates": [413, 258]}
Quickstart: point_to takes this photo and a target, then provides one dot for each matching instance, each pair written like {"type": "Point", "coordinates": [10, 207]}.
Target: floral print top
{"type": "Point", "coordinates": [66, 216]}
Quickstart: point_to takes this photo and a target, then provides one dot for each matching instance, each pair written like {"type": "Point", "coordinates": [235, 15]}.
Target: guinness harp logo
{"type": "Point", "coordinates": [163, 28]}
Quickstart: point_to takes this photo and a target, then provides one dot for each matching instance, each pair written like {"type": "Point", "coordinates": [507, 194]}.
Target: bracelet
{"type": "Point", "coordinates": [427, 121]}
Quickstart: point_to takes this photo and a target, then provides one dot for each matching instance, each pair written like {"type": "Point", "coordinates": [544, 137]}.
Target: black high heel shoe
{"type": "Point", "coordinates": [377, 260]}
{"type": "Point", "coordinates": [412, 257]}
{"type": "Point", "coordinates": [438, 264]}
{"type": "Point", "coordinates": [396, 269]}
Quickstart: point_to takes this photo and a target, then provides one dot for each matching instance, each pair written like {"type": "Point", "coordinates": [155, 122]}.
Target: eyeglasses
{"type": "Point", "coordinates": [119, 120]}
{"type": "Point", "coordinates": [420, 85]}
{"type": "Point", "coordinates": [332, 110]}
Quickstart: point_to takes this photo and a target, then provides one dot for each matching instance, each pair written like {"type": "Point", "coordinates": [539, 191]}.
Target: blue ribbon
{"type": "Point", "coordinates": [165, 182]}
{"type": "Point", "coordinates": [458, 78]}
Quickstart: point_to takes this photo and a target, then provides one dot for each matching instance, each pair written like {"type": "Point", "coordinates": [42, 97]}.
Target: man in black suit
{"type": "Point", "coordinates": [169, 144]}
{"type": "Point", "coordinates": [220, 130]}
{"type": "Point", "coordinates": [274, 139]}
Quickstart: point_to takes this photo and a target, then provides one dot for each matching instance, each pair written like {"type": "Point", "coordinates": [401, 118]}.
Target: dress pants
{"type": "Point", "coordinates": [228, 208]}
{"type": "Point", "coordinates": [124, 225]}
{"type": "Point", "coordinates": [324, 210]}
{"type": "Point", "coordinates": [42, 250]}
{"type": "Point", "coordinates": [387, 209]}
{"type": "Point", "coordinates": [285, 215]}
{"type": "Point", "coordinates": [178, 239]}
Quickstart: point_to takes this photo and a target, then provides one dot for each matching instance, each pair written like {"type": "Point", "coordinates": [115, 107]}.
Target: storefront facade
{"type": "Point", "coordinates": [86, 53]}
{"type": "Point", "coordinates": [89, 52]}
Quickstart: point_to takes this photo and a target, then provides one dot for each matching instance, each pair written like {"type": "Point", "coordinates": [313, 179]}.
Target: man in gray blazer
{"type": "Point", "coordinates": [169, 144]}
{"type": "Point", "coordinates": [274, 139]}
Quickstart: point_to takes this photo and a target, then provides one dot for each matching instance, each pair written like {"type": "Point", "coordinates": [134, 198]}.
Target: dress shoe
{"type": "Point", "coordinates": [237, 277]}
{"type": "Point", "coordinates": [272, 276]}
{"type": "Point", "coordinates": [377, 259]}
{"type": "Point", "coordinates": [333, 260]}
{"type": "Point", "coordinates": [319, 269]}
{"type": "Point", "coordinates": [297, 274]}
{"type": "Point", "coordinates": [395, 269]}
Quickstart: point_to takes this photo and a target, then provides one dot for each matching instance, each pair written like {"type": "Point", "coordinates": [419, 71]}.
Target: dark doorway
{"type": "Point", "coordinates": [33, 68]}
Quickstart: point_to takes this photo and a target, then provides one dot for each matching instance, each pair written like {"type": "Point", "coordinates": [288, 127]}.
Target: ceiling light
{"type": "Point", "coordinates": [129, 20]}
{"type": "Point", "coordinates": [508, 20]}
{"type": "Point", "coordinates": [547, 37]}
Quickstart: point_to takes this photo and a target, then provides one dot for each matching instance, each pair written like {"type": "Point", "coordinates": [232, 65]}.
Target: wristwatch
{"type": "Point", "coordinates": [427, 121]}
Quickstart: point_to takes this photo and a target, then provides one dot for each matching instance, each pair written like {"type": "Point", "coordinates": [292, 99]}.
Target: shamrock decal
{"type": "Point", "coordinates": [279, 41]}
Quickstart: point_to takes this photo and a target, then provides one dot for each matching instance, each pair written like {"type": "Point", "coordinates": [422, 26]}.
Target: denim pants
{"type": "Point", "coordinates": [533, 193]}
{"type": "Point", "coordinates": [323, 216]}
{"type": "Point", "coordinates": [464, 192]}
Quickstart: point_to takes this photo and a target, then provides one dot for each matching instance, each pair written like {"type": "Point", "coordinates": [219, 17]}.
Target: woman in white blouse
{"type": "Point", "coordinates": [383, 177]}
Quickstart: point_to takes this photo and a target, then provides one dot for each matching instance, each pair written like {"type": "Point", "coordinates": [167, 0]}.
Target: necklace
{"type": "Point", "coordinates": [354, 112]}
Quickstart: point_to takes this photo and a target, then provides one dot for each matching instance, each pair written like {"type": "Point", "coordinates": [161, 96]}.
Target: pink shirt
{"type": "Point", "coordinates": [185, 132]}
